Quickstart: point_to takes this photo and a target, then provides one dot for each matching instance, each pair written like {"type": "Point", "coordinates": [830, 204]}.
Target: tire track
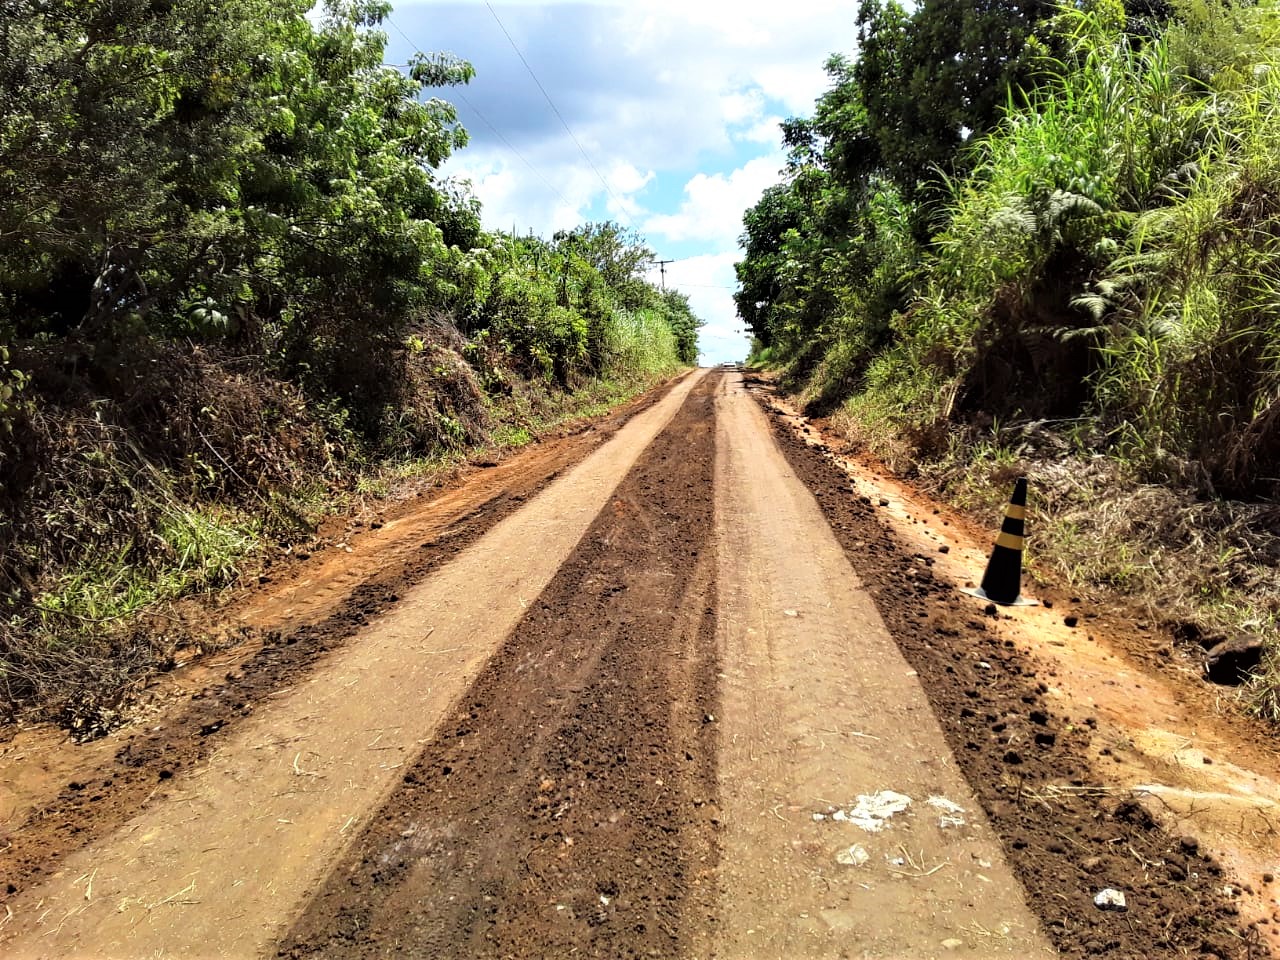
{"type": "Point", "coordinates": [568, 803]}
{"type": "Point", "coordinates": [110, 780]}
{"type": "Point", "coordinates": [225, 853]}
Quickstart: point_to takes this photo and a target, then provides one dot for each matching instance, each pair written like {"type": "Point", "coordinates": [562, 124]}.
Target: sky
{"type": "Point", "coordinates": [665, 119]}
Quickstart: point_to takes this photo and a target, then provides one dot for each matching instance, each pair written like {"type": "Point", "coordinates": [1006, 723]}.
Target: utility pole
{"type": "Point", "coordinates": [662, 267]}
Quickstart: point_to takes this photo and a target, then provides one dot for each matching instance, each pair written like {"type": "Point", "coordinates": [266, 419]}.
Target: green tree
{"type": "Point", "coordinates": [932, 79]}
{"type": "Point", "coordinates": [618, 254]}
{"type": "Point", "coordinates": [760, 273]}
{"type": "Point", "coordinates": [684, 324]}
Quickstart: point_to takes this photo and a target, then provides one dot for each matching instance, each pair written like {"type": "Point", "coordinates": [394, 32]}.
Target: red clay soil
{"type": "Point", "coordinates": [103, 789]}
{"type": "Point", "coordinates": [1066, 836]}
{"type": "Point", "coordinates": [568, 807]}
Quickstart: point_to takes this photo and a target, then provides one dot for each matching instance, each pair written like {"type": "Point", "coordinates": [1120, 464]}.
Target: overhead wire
{"type": "Point", "coordinates": [622, 212]}
{"type": "Point", "coordinates": [485, 120]}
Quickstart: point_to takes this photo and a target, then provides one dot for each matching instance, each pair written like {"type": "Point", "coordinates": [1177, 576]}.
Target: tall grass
{"type": "Point", "coordinates": [639, 343]}
{"type": "Point", "coordinates": [1194, 364]}
{"type": "Point", "coordinates": [1124, 215]}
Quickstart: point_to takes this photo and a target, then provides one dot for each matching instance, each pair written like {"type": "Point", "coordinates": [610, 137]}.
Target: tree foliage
{"type": "Point", "coordinates": [249, 172]}
{"type": "Point", "coordinates": [1006, 211]}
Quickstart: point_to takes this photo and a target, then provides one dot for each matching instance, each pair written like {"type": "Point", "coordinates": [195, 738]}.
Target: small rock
{"type": "Point", "coordinates": [944, 549]}
{"type": "Point", "coordinates": [1268, 878]}
{"type": "Point", "coordinates": [1012, 756]}
{"type": "Point", "coordinates": [884, 502]}
{"type": "Point", "coordinates": [1189, 844]}
{"type": "Point", "coordinates": [854, 856]}
{"type": "Point", "coordinates": [1110, 899]}
{"type": "Point", "coordinates": [1071, 621]}
{"type": "Point", "coordinates": [952, 944]}
{"type": "Point", "coordinates": [1091, 864]}
{"type": "Point", "coordinates": [1045, 739]}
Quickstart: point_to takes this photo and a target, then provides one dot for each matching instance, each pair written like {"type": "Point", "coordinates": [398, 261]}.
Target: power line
{"type": "Point", "coordinates": [485, 120]}
{"type": "Point", "coordinates": [622, 212]}
{"type": "Point", "coordinates": [510, 146]}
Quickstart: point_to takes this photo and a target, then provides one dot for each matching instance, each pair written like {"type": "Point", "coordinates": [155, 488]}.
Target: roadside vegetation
{"type": "Point", "coordinates": [235, 292]}
{"type": "Point", "coordinates": [1057, 253]}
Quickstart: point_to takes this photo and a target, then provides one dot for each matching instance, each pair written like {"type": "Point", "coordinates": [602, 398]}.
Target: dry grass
{"type": "Point", "coordinates": [1185, 561]}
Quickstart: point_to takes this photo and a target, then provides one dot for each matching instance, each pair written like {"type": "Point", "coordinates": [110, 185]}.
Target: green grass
{"type": "Point", "coordinates": [200, 550]}
{"type": "Point", "coordinates": [512, 436]}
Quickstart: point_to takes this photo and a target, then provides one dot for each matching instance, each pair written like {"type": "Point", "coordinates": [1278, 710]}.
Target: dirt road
{"type": "Point", "coordinates": [690, 698]}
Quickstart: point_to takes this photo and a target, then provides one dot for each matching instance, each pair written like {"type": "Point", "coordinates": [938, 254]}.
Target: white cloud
{"type": "Point", "coordinates": [740, 107]}
{"type": "Point", "coordinates": [676, 102]}
{"type": "Point", "coordinates": [661, 85]}
{"type": "Point", "coordinates": [714, 203]}
{"type": "Point", "coordinates": [767, 131]}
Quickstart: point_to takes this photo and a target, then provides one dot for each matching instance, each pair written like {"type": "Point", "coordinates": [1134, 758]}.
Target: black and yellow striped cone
{"type": "Point", "coordinates": [1002, 583]}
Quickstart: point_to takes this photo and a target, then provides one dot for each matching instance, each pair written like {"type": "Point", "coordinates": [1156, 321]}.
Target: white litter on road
{"type": "Point", "coordinates": [872, 810]}
{"type": "Point", "coordinates": [1110, 899]}
{"type": "Point", "coordinates": [950, 812]}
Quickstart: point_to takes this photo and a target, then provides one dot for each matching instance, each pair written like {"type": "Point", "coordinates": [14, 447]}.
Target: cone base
{"type": "Point", "coordinates": [981, 594]}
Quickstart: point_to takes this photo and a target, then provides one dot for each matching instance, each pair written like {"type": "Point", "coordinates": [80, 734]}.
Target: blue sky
{"type": "Point", "coordinates": [674, 104]}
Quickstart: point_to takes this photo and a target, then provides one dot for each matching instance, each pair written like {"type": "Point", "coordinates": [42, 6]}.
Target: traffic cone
{"type": "Point", "coordinates": [1002, 583]}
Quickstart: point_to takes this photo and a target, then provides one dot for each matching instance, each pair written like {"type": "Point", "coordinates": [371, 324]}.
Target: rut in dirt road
{"type": "Point", "coordinates": [568, 803]}
{"type": "Point", "coordinates": [1066, 833]}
